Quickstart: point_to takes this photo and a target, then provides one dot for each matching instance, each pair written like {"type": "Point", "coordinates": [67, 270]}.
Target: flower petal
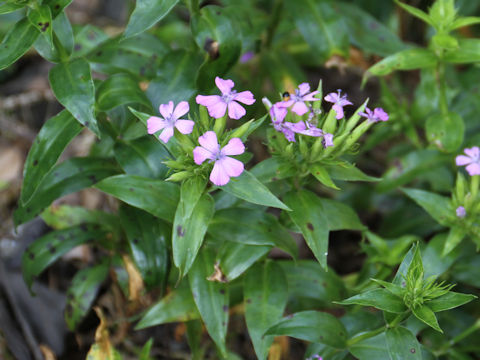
{"type": "Point", "coordinates": [218, 110]}
{"type": "Point", "coordinates": [339, 110]}
{"type": "Point", "coordinates": [332, 97]}
{"type": "Point", "coordinates": [300, 108]}
{"type": "Point", "coordinates": [166, 134]}
{"type": "Point", "coordinates": [245, 97]}
{"type": "Point", "coordinates": [380, 114]}
{"type": "Point", "coordinates": [181, 109]}
{"type": "Point", "coordinates": [303, 88]}
{"type": "Point", "coordinates": [234, 147]}
{"type": "Point", "coordinates": [184, 126]}
{"type": "Point", "coordinates": [327, 140]}
{"type": "Point", "coordinates": [166, 109]}
{"type": "Point", "coordinates": [278, 112]}
{"type": "Point", "coordinates": [461, 160]}
{"type": "Point", "coordinates": [474, 152]}
{"type": "Point", "coordinates": [225, 86]}
{"type": "Point", "coordinates": [219, 176]}
{"type": "Point", "coordinates": [200, 154]}
{"type": "Point", "coordinates": [473, 169]}
{"type": "Point", "coordinates": [231, 166]}
{"type": "Point", "coordinates": [311, 96]}
{"type": "Point", "coordinates": [209, 141]}
{"type": "Point", "coordinates": [208, 100]}
{"type": "Point", "coordinates": [155, 123]}
{"type": "Point", "coordinates": [235, 110]}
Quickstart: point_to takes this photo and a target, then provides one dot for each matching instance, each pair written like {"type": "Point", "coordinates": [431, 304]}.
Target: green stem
{"type": "Point", "coordinates": [62, 52]}
{"type": "Point", "coordinates": [442, 87]}
{"type": "Point", "coordinates": [398, 319]}
{"type": "Point", "coordinates": [474, 183]}
{"type": "Point", "coordinates": [220, 125]}
{"type": "Point", "coordinates": [193, 7]}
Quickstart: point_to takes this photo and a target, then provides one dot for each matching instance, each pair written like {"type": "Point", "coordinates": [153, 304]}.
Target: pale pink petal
{"type": "Point", "coordinates": [303, 88]}
{"type": "Point", "coordinates": [234, 147]}
{"type": "Point", "coordinates": [219, 176]}
{"type": "Point", "coordinates": [285, 103]}
{"type": "Point", "coordinates": [332, 97]}
{"type": "Point", "coordinates": [200, 154]}
{"type": "Point", "coordinates": [166, 134]}
{"type": "Point", "coordinates": [231, 166]}
{"type": "Point", "coordinates": [339, 110]}
{"type": "Point", "coordinates": [166, 109]}
{"type": "Point", "coordinates": [208, 100]}
{"type": "Point", "coordinates": [278, 113]}
{"type": "Point", "coordinates": [209, 141]}
{"type": "Point", "coordinates": [311, 96]}
{"type": "Point", "coordinates": [473, 169]}
{"type": "Point", "coordinates": [225, 86]}
{"type": "Point", "coordinates": [474, 152]}
{"type": "Point", "coordinates": [245, 97]}
{"type": "Point", "coordinates": [155, 123]}
{"type": "Point", "coordinates": [461, 160]}
{"type": "Point", "coordinates": [184, 126]}
{"type": "Point", "coordinates": [344, 102]}
{"type": "Point", "coordinates": [235, 110]}
{"type": "Point", "coordinates": [217, 110]}
{"type": "Point", "coordinates": [300, 108]}
{"type": "Point", "coordinates": [181, 109]}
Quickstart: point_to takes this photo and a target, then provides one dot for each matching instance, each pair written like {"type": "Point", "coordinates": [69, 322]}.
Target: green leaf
{"type": "Point", "coordinates": [235, 258]}
{"type": "Point", "coordinates": [379, 298]}
{"type": "Point", "coordinates": [87, 38]}
{"type": "Point", "coordinates": [265, 296]}
{"type": "Point", "coordinates": [147, 238]}
{"type": "Point", "coordinates": [7, 8]}
{"type": "Point", "coordinates": [321, 25]}
{"type": "Point", "coordinates": [348, 172]}
{"type": "Point", "coordinates": [193, 214]}
{"type": "Point", "coordinates": [374, 348]}
{"type": "Point", "coordinates": [57, 6]}
{"type": "Point", "coordinates": [404, 266]}
{"type": "Point", "coordinates": [145, 352]}
{"type": "Point", "coordinates": [47, 249]}
{"type": "Point", "coordinates": [313, 326]}
{"type": "Point", "coordinates": [465, 21]}
{"type": "Point", "coordinates": [416, 12]}
{"type": "Point", "coordinates": [443, 14]}
{"type": "Point", "coordinates": [340, 216]}
{"type": "Point", "coordinates": [436, 263]}
{"type": "Point", "coordinates": [402, 344]}
{"type": "Point", "coordinates": [157, 197]}
{"type": "Point", "coordinates": [467, 52]}
{"type": "Point", "coordinates": [247, 187]}
{"type": "Point", "coordinates": [395, 289]}
{"type": "Point", "coordinates": [120, 89]}
{"type": "Point", "coordinates": [49, 144]}
{"type": "Point", "coordinates": [211, 298]}
{"type": "Point", "coordinates": [73, 86]}
{"type": "Point", "coordinates": [455, 237]}
{"type": "Point", "coordinates": [449, 301]}
{"type": "Point", "coordinates": [82, 292]}
{"type": "Point", "coordinates": [146, 14]}
{"type": "Point", "coordinates": [409, 59]}
{"type": "Point", "coordinates": [308, 214]}
{"type": "Point", "coordinates": [41, 18]}
{"type": "Point", "coordinates": [425, 314]}
{"type": "Point", "coordinates": [322, 175]}
{"type": "Point", "coordinates": [63, 30]}
{"type": "Point", "coordinates": [176, 306]}
{"type": "Point", "coordinates": [16, 42]}
{"type": "Point", "coordinates": [437, 206]}
{"type": "Point", "coordinates": [445, 131]}
{"type": "Point", "coordinates": [142, 156]}
{"type": "Point", "coordinates": [67, 177]}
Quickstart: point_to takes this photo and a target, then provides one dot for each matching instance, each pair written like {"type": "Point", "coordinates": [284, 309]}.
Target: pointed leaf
{"type": "Point", "coordinates": [402, 344]}
{"type": "Point", "coordinates": [265, 297]}
{"type": "Point", "coordinates": [340, 216]}
{"type": "Point", "coordinates": [449, 301]}
{"type": "Point", "coordinates": [17, 41]}
{"type": "Point", "coordinates": [374, 348]}
{"type": "Point", "coordinates": [322, 175]}
{"type": "Point", "coordinates": [455, 237]}
{"type": "Point", "coordinates": [425, 314]}
{"type": "Point", "coordinates": [416, 12]}
{"type": "Point", "coordinates": [235, 258]}
{"type": "Point", "coordinates": [409, 59]}
{"type": "Point", "coordinates": [349, 172]}
{"type": "Point", "coordinates": [379, 298]}
{"type": "Point", "coordinates": [41, 18]}
{"type": "Point", "coordinates": [437, 206]}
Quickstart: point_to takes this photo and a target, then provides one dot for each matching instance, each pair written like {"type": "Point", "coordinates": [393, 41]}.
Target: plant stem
{"type": "Point", "coordinates": [442, 87]}
{"type": "Point", "coordinates": [62, 52]}
{"type": "Point", "coordinates": [475, 326]}
{"type": "Point", "coordinates": [367, 335]}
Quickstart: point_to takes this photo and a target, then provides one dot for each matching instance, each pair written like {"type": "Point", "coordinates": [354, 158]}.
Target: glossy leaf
{"type": "Point", "coordinates": [312, 326]}
{"type": "Point", "coordinates": [146, 14]}
{"type": "Point", "coordinates": [63, 31]}
{"type": "Point", "coordinates": [379, 298]}
{"type": "Point", "coordinates": [322, 175]}
{"type": "Point", "coordinates": [402, 344]}
{"type": "Point", "coordinates": [41, 18]}
{"type": "Point", "coordinates": [87, 38]}
{"type": "Point", "coordinates": [425, 314]}
{"type": "Point", "coordinates": [247, 187]}
{"type": "Point", "coordinates": [49, 144]}
{"type": "Point", "coordinates": [157, 197]}
{"type": "Point", "coordinates": [7, 7]}
{"type": "Point", "coordinates": [308, 214]}
{"type": "Point", "coordinates": [409, 59]}
{"type": "Point", "coordinates": [374, 348]}
{"type": "Point", "coordinates": [211, 298]}
{"type": "Point", "coordinates": [349, 172]}
{"type": "Point", "coordinates": [340, 216]}
{"type": "Point", "coordinates": [73, 86]}
{"type": "Point", "coordinates": [449, 301]}
{"type": "Point", "coordinates": [445, 131]}
{"type": "Point", "coordinates": [57, 6]}
{"type": "Point", "coordinates": [454, 238]}
{"type": "Point", "coordinates": [147, 238]}
{"type": "Point", "coordinates": [82, 292]}
{"type": "Point", "coordinates": [16, 42]}
{"type": "Point", "coordinates": [235, 258]}
{"type": "Point", "coordinates": [176, 306]}
{"type": "Point", "coordinates": [67, 177]}
{"type": "Point", "coordinates": [437, 206]}
{"type": "Point", "coordinates": [50, 247]}
{"type": "Point", "coordinates": [265, 297]}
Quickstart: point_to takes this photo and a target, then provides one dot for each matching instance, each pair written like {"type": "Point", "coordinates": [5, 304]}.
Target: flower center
{"type": "Point", "coordinates": [229, 97]}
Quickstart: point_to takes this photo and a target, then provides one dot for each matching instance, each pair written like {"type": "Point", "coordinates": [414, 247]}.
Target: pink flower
{"type": "Point", "coordinates": [299, 97]}
{"type": "Point", "coordinates": [225, 167]}
{"type": "Point", "coordinates": [472, 160]}
{"type": "Point", "coordinates": [170, 121]}
{"type": "Point", "coordinates": [338, 101]}
{"type": "Point", "coordinates": [327, 140]}
{"type": "Point", "coordinates": [378, 114]}
{"type": "Point", "coordinates": [461, 212]}
{"type": "Point", "coordinates": [217, 105]}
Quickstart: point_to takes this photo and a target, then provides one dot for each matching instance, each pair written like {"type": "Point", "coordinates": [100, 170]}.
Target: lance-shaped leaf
{"type": "Point", "coordinates": [409, 59]}
{"type": "Point", "coordinates": [49, 144]}
{"type": "Point", "coordinates": [379, 298]}
{"type": "Point", "coordinates": [265, 296]}
{"type": "Point", "coordinates": [72, 85]}
{"type": "Point", "coordinates": [211, 298]}
{"type": "Point", "coordinates": [437, 206]}
{"type": "Point", "coordinates": [41, 18]}
{"type": "Point", "coordinates": [308, 214]}
{"type": "Point", "coordinates": [63, 30]}
{"type": "Point", "coordinates": [146, 14]}
{"type": "Point", "coordinates": [425, 314]}
{"type": "Point", "coordinates": [402, 344]}
{"type": "Point", "coordinates": [449, 301]}
{"type": "Point", "coordinates": [374, 348]}
{"type": "Point", "coordinates": [17, 41]}
{"type": "Point", "coordinates": [340, 216]}
{"type": "Point", "coordinates": [235, 258]}
{"type": "Point", "coordinates": [157, 197]}
{"type": "Point", "coordinates": [47, 249]}
{"type": "Point", "coordinates": [314, 326]}
{"type": "Point", "coordinates": [348, 172]}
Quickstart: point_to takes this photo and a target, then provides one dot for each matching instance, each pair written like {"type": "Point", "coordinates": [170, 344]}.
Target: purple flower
{"type": "Point", "coordinates": [217, 105]}
{"type": "Point", "coordinates": [472, 160]}
{"type": "Point", "coordinates": [247, 57]}
{"type": "Point", "coordinates": [278, 112]}
{"type": "Point", "coordinates": [170, 121]}
{"type": "Point", "coordinates": [461, 213]}
{"type": "Point", "coordinates": [299, 97]}
{"type": "Point", "coordinates": [306, 128]}
{"type": "Point", "coordinates": [327, 140]}
{"type": "Point", "coordinates": [378, 114]}
{"type": "Point", "coordinates": [225, 167]}
{"type": "Point", "coordinates": [339, 101]}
